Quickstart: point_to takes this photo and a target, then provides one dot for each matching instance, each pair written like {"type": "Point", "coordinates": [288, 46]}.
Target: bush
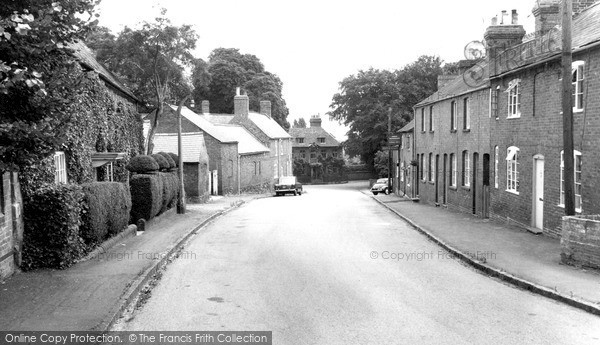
{"type": "Point", "coordinates": [170, 184]}
{"type": "Point", "coordinates": [142, 164]}
{"type": "Point", "coordinates": [52, 216]}
{"type": "Point", "coordinates": [146, 196]}
{"type": "Point", "coordinates": [107, 206]}
{"type": "Point", "coordinates": [162, 161]}
{"type": "Point", "coordinates": [175, 158]}
{"type": "Point", "coordinates": [170, 160]}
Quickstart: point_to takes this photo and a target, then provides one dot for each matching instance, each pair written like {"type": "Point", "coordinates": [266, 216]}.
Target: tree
{"type": "Point", "coordinates": [39, 76]}
{"type": "Point", "coordinates": [363, 101]}
{"type": "Point", "coordinates": [151, 61]}
{"type": "Point", "coordinates": [227, 68]}
{"type": "Point", "coordinates": [381, 163]}
{"type": "Point", "coordinates": [300, 123]}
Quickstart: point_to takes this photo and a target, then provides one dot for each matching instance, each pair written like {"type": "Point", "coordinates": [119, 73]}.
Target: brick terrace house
{"type": "Point", "coordinates": [402, 159]}
{"type": "Point", "coordinates": [493, 146]}
{"type": "Point", "coordinates": [236, 159]}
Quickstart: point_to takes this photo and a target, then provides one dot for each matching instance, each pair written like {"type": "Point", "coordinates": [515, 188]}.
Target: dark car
{"type": "Point", "coordinates": [288, 184]}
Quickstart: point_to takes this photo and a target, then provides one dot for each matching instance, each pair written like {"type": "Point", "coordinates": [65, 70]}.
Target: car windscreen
{"type": "Point", "coordinates": [382, 180]}
{"type": "Point", "coordinates": [287, 180]}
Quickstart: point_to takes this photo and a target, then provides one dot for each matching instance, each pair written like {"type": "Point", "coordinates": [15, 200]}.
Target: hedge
{"type": "Point", "coordinates": [146, 196]}
{"type": "Point", "coordinates": [174, 157]}
{"type": "Point", "coordinates": [107, 206]}
{"type": "Point", "coordinates": [170, 190]}
{"type": "Point", "coordinates": [52, 217]}
{"type": "Point", "coordinates": [162, 161]}
{"type": "Point", "coordinates": [169, 159]}
{"type": "Point", "coordinates": [142, 164]}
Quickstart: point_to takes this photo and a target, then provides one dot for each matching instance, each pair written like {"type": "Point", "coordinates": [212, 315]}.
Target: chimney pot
{"type": "Point", "coordinates": [515, 17]}
{"type": "Point", "coordinates": [205, 105]}
{"type": "Point", "coordinates": [495, 21]}
{"type": "Point", "coordinates": [241, 104]}
{"type": "Point", "coordinates": [502, 19]}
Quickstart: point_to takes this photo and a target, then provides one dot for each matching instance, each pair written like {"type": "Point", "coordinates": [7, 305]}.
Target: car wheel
{"type": "Point", "coordinates": [374, 193]}
{"type": "Point", "coordinates": [300, 193]}
{"type": "Point", "coordinates": [295, 193]}
{"type": "Point", "coordinates": [387, 191]}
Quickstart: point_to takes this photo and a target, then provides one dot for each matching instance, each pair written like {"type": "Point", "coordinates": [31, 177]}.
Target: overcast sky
{"type": "Point", "coordinates": [312, 45]}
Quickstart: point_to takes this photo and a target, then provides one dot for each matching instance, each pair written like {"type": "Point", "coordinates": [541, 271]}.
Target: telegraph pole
{"type": "Point", "coordinates": [181, 199]}
{"type": "Point", "coordinates": [567, 108]}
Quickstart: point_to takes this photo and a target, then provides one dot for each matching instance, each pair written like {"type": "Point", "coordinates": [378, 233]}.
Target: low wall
{"type": "Point", "coordinates": [580, 241]}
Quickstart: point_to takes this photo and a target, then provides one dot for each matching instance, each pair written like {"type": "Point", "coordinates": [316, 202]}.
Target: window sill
{"type": "Point", "coordinates": [512, 192]}
{"type": "Point", "coordinates": [431, 182]}
{"type": "Point", "coordinates": [466, 130]}
{"type": "Point", "coordinates": [453, 188]}
{"type": "Point", "coordinates": [577, 110]}
{"type": "Point", "coordinates": [431, 131]}
{"type": "Point", "coordinates": [453, 131]}
{"type": "Point", "coordinates": [467, 188]}
{"type": "Point", "coordinates": [513, 117]}
{"type": "Point", "coordinates": [578, 210]}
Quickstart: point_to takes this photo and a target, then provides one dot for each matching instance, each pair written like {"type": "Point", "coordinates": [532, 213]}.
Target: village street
{"type": "Point", "coordinates": [334, 267]}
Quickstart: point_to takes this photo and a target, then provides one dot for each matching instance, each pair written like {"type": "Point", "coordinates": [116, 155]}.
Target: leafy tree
{"type": "Point", "coordinates": [39, 77]}
{"type": "Point", "coordinates": [381, 163]}
{"type": "Point", "coordinates": [227, 68]}
{"type": "Point", "coordinates": [366, 99]}
{"type": "Point", "coordinates": [151, 61]}
{"type": "Point", "coordinates": [300, 123]}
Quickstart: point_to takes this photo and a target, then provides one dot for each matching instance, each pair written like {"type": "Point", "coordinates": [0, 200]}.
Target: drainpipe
{"type": "Point", "coordinates": [239, 174]}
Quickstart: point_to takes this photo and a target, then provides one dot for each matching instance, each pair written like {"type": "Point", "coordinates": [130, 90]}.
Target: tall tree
{"type": "Point", "coordinates": [301, 123]}
{"type": "Point", "coordinates": [227, 69]}
{"type": "Point", "coordinates": [363, 101]}
{"type": "Point", "coordinates": [151, 60]}
{"type": "Point", "coordinates": [39, 78]}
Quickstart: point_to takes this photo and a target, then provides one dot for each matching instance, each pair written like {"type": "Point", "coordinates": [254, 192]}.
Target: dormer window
{"type": "Point", "coordinates": [300, 140]}
{"type": "Point", "coordinates": [321, 140]}
{"type": "Point", "coordinates": [514, 99]}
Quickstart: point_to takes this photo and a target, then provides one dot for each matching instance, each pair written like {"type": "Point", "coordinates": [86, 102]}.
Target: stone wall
{"type": "Point", "coordinates": [580, 241]}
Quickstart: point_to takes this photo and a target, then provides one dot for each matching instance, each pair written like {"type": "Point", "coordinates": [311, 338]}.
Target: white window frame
{"type": "Point", "coordinates": [431, 167]}
{"type": "Point", "coordinates": [401, 172]}
{"type": "Point", "coordinates": [467, 113]}
{"type": "Point", "coordinates": [431, 121]}
{"type": "Point", "coordinates": [454, 169]}
{"type": "Point", "coordinates": [424, 168]}
{"type": "Point", "coordinates": [578, 186]}
{"type": "Point", "coordinates": [466, 174]}
{"type": "Point", "coordinates": [496, 160]}
{"type": "Point", "coordinates": [453, 115]}
{"type": "Point", "coordinates": [60, 167]}
{"type": "Point", "coordinates": [578, 71]}
{"type": "Point", "coordinates": [514, 99]}
{"type": "Point", "coordinates": [423, 119]}
{"type": "Point", "coordinates": [512, 170]}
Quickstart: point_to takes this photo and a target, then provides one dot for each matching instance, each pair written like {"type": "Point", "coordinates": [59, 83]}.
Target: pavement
{"type": "Point", "coordinates": [90, 295]}
{"type": "Point", "coordinates": [507, 252]}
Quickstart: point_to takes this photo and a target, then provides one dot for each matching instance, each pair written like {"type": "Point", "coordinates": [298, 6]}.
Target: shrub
{"type": "Point", "coordinates": [142, 164]}
{"type": "Point", "coordinates": [52, 216]}
{"type": "Point", "coordinates": [107, 206]}
{"type": "Point", "coordinates": [169, 159]}
{"type": "Point", "coordinates": [175, 158]}
{"type": "Point", "coordinates": [170, 190]}
{"type": "Point", "coordinates": [162, 161]}
{"type": "Point", "coordinates": [146, 196]}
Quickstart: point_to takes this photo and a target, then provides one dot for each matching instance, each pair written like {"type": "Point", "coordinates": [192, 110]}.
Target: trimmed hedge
{"type": "Point", "coordinates": [52, 217]}
{"type": "Point", "coordinates": [174, 157]}
{"type": "Point", "coordinates": [107, 206]}
{"type": "Point", "coordinates": [146, 196]}
{"type": "Point", "coordinates": [162, 161]}
{"type": "Point", "coordinates": [170, 160]}
{"type": "Point", "coordinates": [142, 164]}
{"type": "Point", "coordinates": [170, 190]}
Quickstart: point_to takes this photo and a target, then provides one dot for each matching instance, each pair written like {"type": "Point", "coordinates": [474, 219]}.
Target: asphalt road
{"type": "Point", "coordinates": [334, 267]}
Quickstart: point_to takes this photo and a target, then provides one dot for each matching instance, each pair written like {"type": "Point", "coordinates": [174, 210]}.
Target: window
{"type": "Point", "coordinates": [466, 168]}
{"type": "Point", "coordinates": [512, 170]}
{"type": "Point", "coordinates": [408, 142]}
{"type": "Point", "coordinates": [466, 114]}
{"type": "Point", "coordinates": [423, 168]}
{"type": "Point", "coordinates": [255, 168]}
{"type": "Point", "coordinates": [577, 81]}
{"type": "Point", "coordinates": [514, 99]}
{"type": "Point", "coordinates": [453, 170]}
{"type": "Point", "coordinates": [494, 102]}
{"type": "Point", "coordinates": [313, 155]}
{"type": "Point", "coordinates": [60, 167]}
{"type": "Point", "coordinates": [259, 168]}
{"type": "Point", "coordinates": [578, 163]}
{"type": "Point", "coordinates": [422, 119]}
{"type": "Point", "coordinates": [496, 167]}
{"type": "Point", "coordinates": [275, 170]}
{"type": "Point", "coordinates": [453, 115]}
{"type": "Point", "coordinates": [431, 119]}
{"type": "Point", "coordinates": [431, 168]}
{"type": "Point", "coordinates": [401, 172]}
{"type": "Point", "coordinates": [300, 140]}
{"type": "Point", "coordinates": [321, 140]}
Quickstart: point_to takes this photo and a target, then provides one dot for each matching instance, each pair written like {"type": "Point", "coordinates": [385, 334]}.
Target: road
{"type": "Point", "coordinates": [320, 269]}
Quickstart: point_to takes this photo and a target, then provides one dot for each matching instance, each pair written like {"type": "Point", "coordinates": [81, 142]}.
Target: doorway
{"type": "Point", "coordinates": [485, 205]}
{"type": "Point", "coordinates": [444, 177]}
{"type": "Point", "coordinates": [436, 179]}
{"type": "Point", "coordinates": [475, 181]}
{"type": "Point", "coordinates": [538, 193]}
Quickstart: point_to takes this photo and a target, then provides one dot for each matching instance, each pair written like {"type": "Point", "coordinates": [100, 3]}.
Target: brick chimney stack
{"type": "Point", "coordinates": [547, 15]}
{"type": "Point", "coordinates": [241, 104]}
{"type": "Point", "coordinates": [265, 108]}
{"type": "Point", "coordinates": [205, 107]}
{"type": "Point", "coordinates": [500, 37]}
{"type": "Point", "coordinates": [315, 121]}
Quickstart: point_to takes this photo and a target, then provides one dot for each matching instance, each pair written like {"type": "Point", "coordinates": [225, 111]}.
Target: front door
{"type": "Point", "coordinates": [474, 181]}
{"type": "Point", "coordinates": [485, 206]}
{"type": "Point", "coordinates": [539, 193]}
{"type": "Point", "coordinates": [444, 176]}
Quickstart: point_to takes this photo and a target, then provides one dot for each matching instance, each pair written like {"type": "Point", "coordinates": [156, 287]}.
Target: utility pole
{"type": "Point", "coordinates": [389, 149]}
{"type": "Point", "coordinates": [567, 108]}
{"type": "Point", "coordinates": [181, 199]}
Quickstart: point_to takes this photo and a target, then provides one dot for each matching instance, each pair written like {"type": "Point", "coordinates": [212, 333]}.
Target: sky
{"type": "Point", "coordinates": [312, 45]}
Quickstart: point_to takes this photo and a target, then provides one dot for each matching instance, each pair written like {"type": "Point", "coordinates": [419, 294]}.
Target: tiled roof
{"type": "Point", "coordinates": [268, 126]}
{"type": "Point", "coordinates": [224, 133]}
{"type": "Point", "coordinates": [311, 135]}
{"type": "Point", "coordinates": [192, 145]}
{"type": "Point", "coordinates": [409, 127]}
{"type": "Point", "coordinates": [86, 57]}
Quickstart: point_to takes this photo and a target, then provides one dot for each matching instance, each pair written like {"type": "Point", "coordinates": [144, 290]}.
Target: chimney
{"type": "Point", "coordinates": [444, 79]}
{"type": "Point", "coordinates": [240, 104]}
{"type": "Point", "coordinates": [465, 65]}
{"type": "Point", "coordinates": [581, 5]}
{"type": "Point", "coordinates": [500, 37]}
{"type": "Point", "coordinates": [547, 15]}
{"type": "Point", "coordinates": [265, 108]}
{"type": "Point", "coordinates": [315, 121]}
{"type": "Point", "coordinates": [205, 107]}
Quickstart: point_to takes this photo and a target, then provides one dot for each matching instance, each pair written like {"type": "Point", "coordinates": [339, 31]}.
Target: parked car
{"type": "Point", "coordinates": [288, 184]}
{"type": "Point", "coordinates": [380, 186]}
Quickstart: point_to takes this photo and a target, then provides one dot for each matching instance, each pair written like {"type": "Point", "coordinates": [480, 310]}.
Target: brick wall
{"type": "Point", "coordinates": [256, 170]}
{"type": "Point", "coordinates": [11, 224]}
{"type": "Point", "coordinates": [442, 141]}
{"type": "Point", "coordinates": [580, 241]}
{"type": "Point", "coordinates": [538, 134]}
